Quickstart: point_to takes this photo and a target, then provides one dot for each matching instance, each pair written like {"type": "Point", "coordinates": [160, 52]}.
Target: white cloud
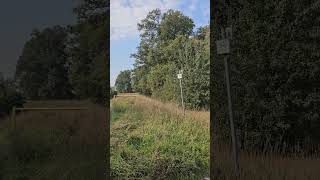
{"type": "Point", "coordinates": [125, 14]}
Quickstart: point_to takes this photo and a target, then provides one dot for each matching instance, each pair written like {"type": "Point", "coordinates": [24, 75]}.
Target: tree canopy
{"type": "Point", "coordinates": [168, 44]}
{"type": "Point", "coordinates": [123, 82]}
{"type": "Point", "coordinates": [89, 51]}
{"type": "Point", "coordinates": [68, 62]}
{"type": "Point", "coordinates": [41, 69]}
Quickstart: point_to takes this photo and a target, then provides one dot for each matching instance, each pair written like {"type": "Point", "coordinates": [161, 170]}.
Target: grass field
{"type": "Point", "coordinates": [149, 140]}
{"type": "Point", "coordinates": [51, 145]}
{"type": "Point", "coordinates": [152, 140]}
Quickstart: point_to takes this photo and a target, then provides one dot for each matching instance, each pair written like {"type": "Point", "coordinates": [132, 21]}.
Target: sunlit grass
{"type": "Point", "coordinates": [152, 140]}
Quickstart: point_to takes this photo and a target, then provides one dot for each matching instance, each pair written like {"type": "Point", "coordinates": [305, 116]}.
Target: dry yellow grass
{"type": "Point", "coordinates": [72, 142]}
{"type": "Point", "coordinates": [269, 167]}
{"type": "Point", "coordinates": [90, 123]}
{"type": "Point", "coordinates": [158, 106]}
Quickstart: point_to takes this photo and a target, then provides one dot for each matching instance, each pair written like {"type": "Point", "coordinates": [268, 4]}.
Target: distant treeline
{"type": "Point", "coordinates": [275, 64]}
{"type": "Point", "coordinates": [68, 62]}
{"type": "Point", "coordinates": [168, 43]}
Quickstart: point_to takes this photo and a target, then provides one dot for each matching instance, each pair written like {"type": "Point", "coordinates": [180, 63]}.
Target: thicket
{"type": "Point", "coordinates": [275, 72]}
{"type": "Point", "coordinates": [169, 43]}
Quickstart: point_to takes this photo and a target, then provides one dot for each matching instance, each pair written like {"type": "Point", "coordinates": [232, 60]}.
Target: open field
{"type": "Point", "coordinates": [54, 144]}
{"type": "Point", "coordinates": [152, 140]}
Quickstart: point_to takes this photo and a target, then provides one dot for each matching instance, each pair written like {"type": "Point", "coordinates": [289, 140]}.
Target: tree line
{"type": "Point", "coordinates": [67, 62]}
{"type": "Point", "coordinates": [169, 43]}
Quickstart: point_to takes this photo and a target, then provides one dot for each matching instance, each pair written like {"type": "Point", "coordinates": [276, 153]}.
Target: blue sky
{"type": "Point", "coordinates": [125, 14]}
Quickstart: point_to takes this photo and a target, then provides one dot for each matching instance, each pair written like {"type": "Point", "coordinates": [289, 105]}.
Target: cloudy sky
{"type": "Point", "coordinates": [125, 14]}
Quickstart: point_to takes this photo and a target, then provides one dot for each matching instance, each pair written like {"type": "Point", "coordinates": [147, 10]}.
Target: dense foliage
{"type": "Point", "coordinates": [275, 72]}
{"type": "Point", "coordinates": [41, 70]}
{"type": "Point", "coordinates": [123, 82]}
{"type": "Point", "coordinates": [67, 62]}
{"type": "Point", "coordinates": [89, 51]}
{"type": "Point", "coordinates": [169, 44]}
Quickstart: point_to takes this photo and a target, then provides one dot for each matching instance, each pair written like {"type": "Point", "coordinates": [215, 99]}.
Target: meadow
{"type": "Point", "coordinates": [153, 140]}
{"type": "Point", "coordinates": [54, 144]}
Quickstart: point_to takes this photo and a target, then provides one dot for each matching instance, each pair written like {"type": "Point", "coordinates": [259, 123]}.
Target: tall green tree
{"type": "Point", "coordinates": [123, 82]}
{"type": "Point", "coordinates": [88, 51]}
{"type": "Point", "coordinates": [175, 23]}
{"type": "Point", "coordinates": [41, 71]}
{"type": "Point", "coordinates": [167, 45]}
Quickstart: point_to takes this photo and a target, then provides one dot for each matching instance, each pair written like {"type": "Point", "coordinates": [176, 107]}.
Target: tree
{"type": "Point", "coordinates": [167, 46]}
{"type": "Point", "coordinates": [174, 23]}
{"type": "Point", "coordinates": [88, 51]}
{"type": "Point", "coordinates": [123, 82]}
{"type": "Point", "coordinates": [41, 70]}
{"type": "Point", "coordinates": [9, 96]}
{"type": "Point", "coordinates": [196, 65]}
{"type": "Point", "coordinates": [65, 62]}
{"type": "Point", "coordinates": [157, 30]}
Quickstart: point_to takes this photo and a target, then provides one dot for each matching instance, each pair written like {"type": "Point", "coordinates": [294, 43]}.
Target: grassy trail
{"type": "Point", "coordinates": [152, 140]}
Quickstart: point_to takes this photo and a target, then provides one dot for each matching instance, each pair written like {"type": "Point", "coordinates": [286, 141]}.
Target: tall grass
{"type": "Point", "coordinates": [54, 144]}
{"type": "Point", "coordinates": [264, 165]}
{"type": "Point", "coordinates": [152, 140]}
{"type": "Point", "coordinates": [270, 166]}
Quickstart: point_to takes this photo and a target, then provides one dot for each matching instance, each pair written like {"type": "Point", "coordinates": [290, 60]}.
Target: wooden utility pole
{"type": "Point", "coordinates": [224, 48]}
{"type": "Point", "coordinates": [228, 35]}
{"type": "Point", "coordinates": [231, 118]}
